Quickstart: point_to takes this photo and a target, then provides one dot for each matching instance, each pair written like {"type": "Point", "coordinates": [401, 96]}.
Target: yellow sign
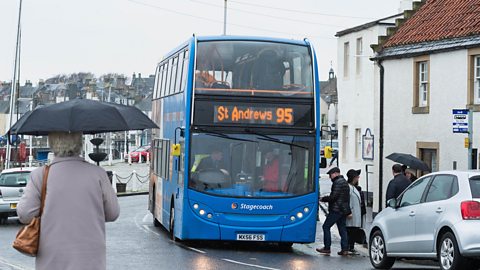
{"type": "Point", "coordinates": [176, 150]}
{"type": "Point", "coordinates": [328, 152]}
{"type": "Point", "coordinates": [467, 142]}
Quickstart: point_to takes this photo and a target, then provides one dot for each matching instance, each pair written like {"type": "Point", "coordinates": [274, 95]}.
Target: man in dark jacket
{"type": "Point", "coordinates": [398, 184]}
{"type": "Point", "coordinates": [338, 210]}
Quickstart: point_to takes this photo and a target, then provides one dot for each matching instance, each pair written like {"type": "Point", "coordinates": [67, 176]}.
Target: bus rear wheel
{"type": "Point", "coordinates": [172, 222]}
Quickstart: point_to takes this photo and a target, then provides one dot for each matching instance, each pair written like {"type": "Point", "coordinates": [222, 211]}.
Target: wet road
{"type": "Point", "coordinates": [134, 243]}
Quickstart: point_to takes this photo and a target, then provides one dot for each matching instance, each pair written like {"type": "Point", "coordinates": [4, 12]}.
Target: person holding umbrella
{"type": "Point", "coordinates": [398, 184]}
{"type": "Point", "coordinates": [79, 200]}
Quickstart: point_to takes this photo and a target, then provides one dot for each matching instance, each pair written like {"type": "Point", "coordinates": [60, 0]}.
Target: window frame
{"type": "Point", "coordinates": [358, 56]}
{"type": "Point", "coordinates": [421, 99]}
{"type": "Point", "coordinates": [346, 56]}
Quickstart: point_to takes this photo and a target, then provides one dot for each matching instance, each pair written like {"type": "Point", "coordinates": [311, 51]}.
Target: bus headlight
{"type": "Point", "coordinates": [292, 218]}
{"type": "Point", "coordinates": [299, 214]}
{"type": "Point", "coordinates": [201, 212]}
{"type": "Point", "coordinates": [195, 206]}
{"type": "Point", "coordinates": [209, 215]}
{"type": "Point", "coordinates": [306, 209]}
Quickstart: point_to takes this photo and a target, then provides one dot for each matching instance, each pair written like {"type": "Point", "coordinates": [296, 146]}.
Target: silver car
{"type": "Point", "coordinates": [12, 186]}
{"type": "Point", "coordinates": [436, 217]}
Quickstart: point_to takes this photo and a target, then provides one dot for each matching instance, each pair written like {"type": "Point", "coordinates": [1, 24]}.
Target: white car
{"type": "Point", "coordinates": [12, 187]}
{"type": "Point", "coordinates": [436, 217]}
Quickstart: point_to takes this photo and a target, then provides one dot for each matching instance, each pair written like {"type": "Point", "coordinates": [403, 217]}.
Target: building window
{"type": "Point", "coordinates": [422, 84]}
{"type": "Point", "coordinates": [358, 143]}
{"type": "Point", "coordinates": [344, 143]}
{"type": "Point", "coordinates": [421, 87]}
{"type": "Point", "coordinates": [346, 56]}
{"type": "Point", "coordinates": [473, 77]}
{"type": "Point", "coordinates": [476, 79]}
{"type": "Point", "coordinates": [358, 56]}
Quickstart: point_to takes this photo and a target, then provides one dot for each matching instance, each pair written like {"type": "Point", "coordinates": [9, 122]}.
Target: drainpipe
{"type": "Point", "coordinates": [380, 143]}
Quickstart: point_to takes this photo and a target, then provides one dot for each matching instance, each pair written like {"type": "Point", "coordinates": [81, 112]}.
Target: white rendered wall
{"type": "Point", "coordinates": [357, 104]}
{"type": "Point", "coordinates": [402, 129]}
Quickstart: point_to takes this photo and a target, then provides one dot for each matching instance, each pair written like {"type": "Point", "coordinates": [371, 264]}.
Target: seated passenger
{"type": "Point", "coordinates": [271, 172]}
{"type": "Point", "coordinates": [268, 71]}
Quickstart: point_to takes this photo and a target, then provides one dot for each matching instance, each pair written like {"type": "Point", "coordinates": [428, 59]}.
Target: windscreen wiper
{"type": "Point", "coordinates": [272, 139]}
{"type": "Point", "coordinates": [223, 135]}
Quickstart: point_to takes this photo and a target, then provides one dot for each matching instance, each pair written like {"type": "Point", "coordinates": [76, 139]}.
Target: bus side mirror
{"type": "Point", "coordinates": [323, 163]}
{"type": "Point", "coordinates": [392, 203]}
{"type": "Point", "coordinates": [176, 150]}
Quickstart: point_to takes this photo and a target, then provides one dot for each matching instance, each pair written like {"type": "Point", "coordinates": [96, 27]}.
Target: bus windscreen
{"type": "Point", "coordinates": [251, 165]}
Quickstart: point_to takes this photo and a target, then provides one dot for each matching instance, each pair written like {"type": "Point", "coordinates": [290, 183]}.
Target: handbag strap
{"type": "Point", "coordinates": [44, 188]}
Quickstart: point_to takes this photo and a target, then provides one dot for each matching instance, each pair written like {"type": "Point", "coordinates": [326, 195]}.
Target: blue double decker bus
{"type": "Point", "coordinates": [236, 154]}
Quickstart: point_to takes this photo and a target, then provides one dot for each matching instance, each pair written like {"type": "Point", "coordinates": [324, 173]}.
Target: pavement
{"type": "Point", "coordinates": [134, 176]}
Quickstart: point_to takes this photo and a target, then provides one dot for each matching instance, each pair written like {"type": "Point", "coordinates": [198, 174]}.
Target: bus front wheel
{"type": "Point", "coordinates": [172, 222]}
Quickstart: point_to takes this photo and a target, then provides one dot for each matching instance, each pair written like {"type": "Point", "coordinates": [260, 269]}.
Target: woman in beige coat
{"type": "Point", "coordinates": [79, 200]}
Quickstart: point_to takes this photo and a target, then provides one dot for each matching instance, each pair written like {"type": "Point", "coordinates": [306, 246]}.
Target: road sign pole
{"type": "Point", "coordinates": [470, 136]}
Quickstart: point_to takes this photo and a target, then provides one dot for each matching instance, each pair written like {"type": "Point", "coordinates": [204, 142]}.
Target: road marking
{"type": "Point", "coordinates": [197, 250]}
{"type": "Point", "coordinates": [13, 265]}
{"type": "Point", "coordinates": [144, 228]}
{"type": "Point", "coordinates": [248, 264]}
{"type": "Point", "coordinates": [144, 220]}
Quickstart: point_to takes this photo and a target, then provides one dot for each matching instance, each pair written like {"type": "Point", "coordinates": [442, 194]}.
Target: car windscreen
{"type": "Point", "coordinates": [475, 186]}
{"type": "Point", "coordinates": [19, 179]}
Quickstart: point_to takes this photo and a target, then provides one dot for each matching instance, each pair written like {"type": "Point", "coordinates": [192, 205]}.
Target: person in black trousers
{"type": "Point", "coordinates": [338, 210]}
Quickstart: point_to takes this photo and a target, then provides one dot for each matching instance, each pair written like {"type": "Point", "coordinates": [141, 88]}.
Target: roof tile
{"type": "Point", "coordinates": [437, 20]}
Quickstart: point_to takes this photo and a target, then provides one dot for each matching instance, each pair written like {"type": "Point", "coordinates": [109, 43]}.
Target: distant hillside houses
{"type": "Point", "coordinates": [114, 88]}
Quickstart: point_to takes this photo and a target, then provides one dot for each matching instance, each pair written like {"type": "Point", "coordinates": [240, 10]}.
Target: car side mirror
{"type": "Point", "coordinates": [323, 163]}
{"type": "Point", "coordinates": [392, 203]}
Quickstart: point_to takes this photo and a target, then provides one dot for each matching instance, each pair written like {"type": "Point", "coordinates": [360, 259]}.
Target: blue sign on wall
{"type": "Point", "coordinates": [460, 121]}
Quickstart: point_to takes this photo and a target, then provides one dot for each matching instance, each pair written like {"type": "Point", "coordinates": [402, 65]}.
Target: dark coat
{"type": "Point", "coordinates": [362, 201]}
{"type": "Point", "coordinates": [339, 198]}
{"type": "Point", "coordinates": [397, 185]}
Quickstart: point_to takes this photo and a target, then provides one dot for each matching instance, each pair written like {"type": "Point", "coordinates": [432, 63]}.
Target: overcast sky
{"type": "Point", "coordinates": [126, 36]}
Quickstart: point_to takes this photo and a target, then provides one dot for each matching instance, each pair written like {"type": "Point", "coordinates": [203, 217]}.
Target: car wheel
{"type": "Point", "coordinates": [378, 252]}
{"type": "Point", "coordinates": [156, 223]}
{"type": "Point", "coordinates": [448, 254]}
{"type": "Point", "coordinates": [172, 222]}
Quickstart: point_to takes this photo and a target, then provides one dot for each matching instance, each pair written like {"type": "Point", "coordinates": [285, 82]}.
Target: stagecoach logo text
{"type": "Point", "coordinates": [251, 207]}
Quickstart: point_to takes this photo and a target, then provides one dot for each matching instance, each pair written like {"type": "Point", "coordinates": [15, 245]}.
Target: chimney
{"type": "Point", "coordinates": [28, 83]}
{"type": "Point", "coordinates": [139, 75]}
{"type": "Point", "coordinates": [133, 76]}
{"type": "Point", "coordinates": [405, 5]}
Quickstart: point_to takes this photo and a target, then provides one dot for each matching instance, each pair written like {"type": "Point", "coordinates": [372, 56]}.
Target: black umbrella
{"type": "Point", "coordinates": [409, 160]}
{"type": "Point", "coordinates": [81, 115]}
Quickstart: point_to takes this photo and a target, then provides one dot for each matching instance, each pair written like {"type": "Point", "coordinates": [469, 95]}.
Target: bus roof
{"type": "Point", "coordinates": [252, 38]}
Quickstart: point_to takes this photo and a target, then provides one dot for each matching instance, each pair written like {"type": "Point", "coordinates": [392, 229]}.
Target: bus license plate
{"type": "Point", "coordinates": [13, 206]}
{"type": "Point", "coordinates": [250, 237]}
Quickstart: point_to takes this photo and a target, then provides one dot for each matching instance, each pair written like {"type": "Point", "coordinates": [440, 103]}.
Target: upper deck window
{"type": "Point", "coordinates": [253, 68]}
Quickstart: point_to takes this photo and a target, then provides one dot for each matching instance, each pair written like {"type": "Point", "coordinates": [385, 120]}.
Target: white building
{"type": "Point", "coordinates": [431, 66]}
{"type": "Point", "coordinates": [357, 87]}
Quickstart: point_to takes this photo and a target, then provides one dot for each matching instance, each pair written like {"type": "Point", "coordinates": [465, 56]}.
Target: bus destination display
{"type": "Point", "coordinates": [272, 115]}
